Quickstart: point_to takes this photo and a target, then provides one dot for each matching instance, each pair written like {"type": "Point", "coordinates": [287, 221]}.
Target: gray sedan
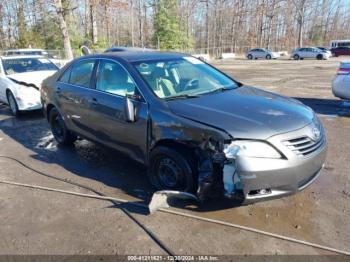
{"type": "Point", "coordinates": [262, 53]}
{"type": "Point", "coordinates": [195, 128]}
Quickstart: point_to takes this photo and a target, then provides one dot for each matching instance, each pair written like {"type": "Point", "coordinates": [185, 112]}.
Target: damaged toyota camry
{"type": "Point", "coordinates": [194, 127]}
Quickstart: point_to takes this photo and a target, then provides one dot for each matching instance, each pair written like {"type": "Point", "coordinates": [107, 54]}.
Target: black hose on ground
{"type": "Point", "coordinates": [126, 212]}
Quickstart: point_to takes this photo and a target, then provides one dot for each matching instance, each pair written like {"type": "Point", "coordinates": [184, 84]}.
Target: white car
{"type": "Point", "coordinates": [341, 82]}
{"type": "Point", "coordinates": [20, 81]}
{"type": "Point", "coordinates": [326, 50]}
{"type": "Point", "coordinates": [309, 53]}
{"type": "Point", "coordinates": [262, 53]}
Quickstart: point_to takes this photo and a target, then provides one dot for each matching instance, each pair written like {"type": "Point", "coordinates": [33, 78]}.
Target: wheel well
{"type": "Point", "coordinates": [182, 148]}
{"type": "Point", "coordinates": [48, 109]}
{"type": "Point", "coordinates": [7, 92]}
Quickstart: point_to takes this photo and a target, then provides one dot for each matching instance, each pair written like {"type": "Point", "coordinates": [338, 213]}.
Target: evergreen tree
{"type": "Point", "coordinates": [167, 29]}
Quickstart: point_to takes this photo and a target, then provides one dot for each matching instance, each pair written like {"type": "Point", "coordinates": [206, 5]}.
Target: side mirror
{"type": "Point", "coordinates": [129, 109]}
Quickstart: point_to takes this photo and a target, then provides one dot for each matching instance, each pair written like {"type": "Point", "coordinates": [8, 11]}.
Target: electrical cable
{"type": "Point", "coordinates": [99, 196]}
{"type": "Point", "coordinates": [168, 211]}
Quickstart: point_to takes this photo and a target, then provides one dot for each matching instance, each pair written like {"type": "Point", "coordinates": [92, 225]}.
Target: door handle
{"type": "Point", "coordinates": [94, 102]}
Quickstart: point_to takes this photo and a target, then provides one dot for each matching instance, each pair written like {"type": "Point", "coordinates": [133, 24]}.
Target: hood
{"type": "Point", "coordinates": [31, 78]}
{"type": "Point", "coordinates": [245, 112]}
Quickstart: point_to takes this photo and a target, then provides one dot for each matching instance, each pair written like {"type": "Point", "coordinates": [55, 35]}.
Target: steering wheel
{"type": "Point", "coordinates": [189, 85]}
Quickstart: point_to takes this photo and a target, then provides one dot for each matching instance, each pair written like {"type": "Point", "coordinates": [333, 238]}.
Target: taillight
{"type": "Point", "coordinates": [343, 71]}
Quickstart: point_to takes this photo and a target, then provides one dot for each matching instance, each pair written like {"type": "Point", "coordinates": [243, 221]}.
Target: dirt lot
{"type": "Point", "coordinates": [40, 222]}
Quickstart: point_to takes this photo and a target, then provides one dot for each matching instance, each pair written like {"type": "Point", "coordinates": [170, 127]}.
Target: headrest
{"type": "Point", "coordinates": [159, 72]}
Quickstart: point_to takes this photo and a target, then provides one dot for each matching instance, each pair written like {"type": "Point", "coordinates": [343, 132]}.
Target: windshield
{"type": "Point", "coordinates": [182, 77]}
{"type": "Point", "coordinates": [23, 65]}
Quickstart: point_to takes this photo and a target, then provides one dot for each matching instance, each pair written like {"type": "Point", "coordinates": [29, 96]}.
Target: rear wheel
{"type": "Point", "coordinates": [12, 103]}
{"type": "Point", "coordinates": [170, 170]}
{"type": "Point", "coordinates": [296, 57]}
{"type": "Point", "coordinates": [59, 130]}
{"type": "Point", "coordinates": [250, 57]}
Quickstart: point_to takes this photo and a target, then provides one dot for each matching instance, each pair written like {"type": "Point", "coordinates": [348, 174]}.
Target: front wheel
{"type": "Point", "coordinates": [12, 103]}
{"type": "Point", "coordinates": [59, 130]}
{"type": "Point", "coordinates": [250, 57]}
{"type": "Point", "coordinates": [296, 57]}
{"type": "Point", "coordinates": [268, 57]}
{"type": "Point", "coordinates": [170, 170]}
{"type": "Point", "coordinates": [319, 57]}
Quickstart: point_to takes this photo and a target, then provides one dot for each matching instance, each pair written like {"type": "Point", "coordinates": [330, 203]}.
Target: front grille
{"type": "Point", "coordinates": [305, 146]}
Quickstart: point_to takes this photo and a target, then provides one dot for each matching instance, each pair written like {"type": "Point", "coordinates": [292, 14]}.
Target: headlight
{"type": "Point", "coordinates": [249, 148]}
{"type": "Point", "coordinates": [25, 92]}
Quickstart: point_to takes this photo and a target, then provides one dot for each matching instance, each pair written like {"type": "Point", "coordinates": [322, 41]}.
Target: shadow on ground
{"type": "Point", "coordinates": [330, 107]}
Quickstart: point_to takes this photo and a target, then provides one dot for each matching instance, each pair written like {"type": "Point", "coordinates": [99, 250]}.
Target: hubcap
{"type": "Point", "coordinates": [170, 174]}
{"type": "Point", "coordinates": [12, 103]}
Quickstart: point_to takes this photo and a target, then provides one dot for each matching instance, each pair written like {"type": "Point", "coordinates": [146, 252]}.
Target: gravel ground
{"type": "Point", "coordinates": [41, 222]}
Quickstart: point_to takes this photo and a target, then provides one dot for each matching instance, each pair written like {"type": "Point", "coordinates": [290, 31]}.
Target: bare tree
{"type": "Point", "coordinates": [64, 30]}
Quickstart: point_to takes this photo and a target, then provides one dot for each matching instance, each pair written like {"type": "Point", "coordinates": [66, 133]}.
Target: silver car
{"type": "Point", "coordinates": [309, 53]}
{"type": "Point", "coordinates": [341, 82]}
{"type": "Point", "coordinates": [262, 53]}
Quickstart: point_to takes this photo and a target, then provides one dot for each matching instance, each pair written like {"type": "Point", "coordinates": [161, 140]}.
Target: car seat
{"type": "Point", "coordinates": [162, 86]}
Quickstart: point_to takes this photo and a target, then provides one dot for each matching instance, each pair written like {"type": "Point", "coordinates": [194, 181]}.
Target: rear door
{"type": "Point", "coordinates": [112, 84]}
{"type": "Point", "coordinates": [260, 53]}
{"type": "Point", "coordinates": [309, 53]}
{"type": "Point", "coordinates": [72, 96]}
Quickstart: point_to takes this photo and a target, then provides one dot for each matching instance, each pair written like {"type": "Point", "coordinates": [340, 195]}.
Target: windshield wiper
{"type": "Point", "coordinates": [221, 89]}
{"type": "Point", "coordinates": [181, 97]}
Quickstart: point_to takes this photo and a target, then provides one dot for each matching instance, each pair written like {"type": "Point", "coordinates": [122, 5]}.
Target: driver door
{"type": "Point", "coordinates": [106, 105]}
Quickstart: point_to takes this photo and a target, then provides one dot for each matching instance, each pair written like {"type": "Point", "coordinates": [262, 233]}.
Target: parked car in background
{"type": "Point", "coordinates": [341, 50]}
{"type": "Point", "coordinates": [262, 53]}
{"type": "Point", "coordinates": [125, 49]}
{"type": "Point", "coordinates": [188, 122]}
{"type": "Point", "coordinates": [341, 82]}
{"type": "Point", "coordinates": [35, 51]}
{"type": "Point", "coordinates": [336, 43]}
{"type": "Point", "coordinates": [26, 51]}
{"type": "Point", "coordinates": [309, 53]}
{"type": "Point", "coordinates": [326, 50]}
{"type": "Point", "coordinates": [20, 81]}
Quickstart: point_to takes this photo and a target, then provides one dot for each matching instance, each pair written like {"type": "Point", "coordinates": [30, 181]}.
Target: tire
{"type": "Point", "coordinates": [319, 57]}
{"type": "Point", "coordinates": [170, 170]}
{"type": "Point", "coordinates": [59, 130]}
{"type": "Point", "coordinates": [268, 57]}
{"type": "Point", "coordinates": [296, 57]}
{"type": "Point", "coordinates": [11, 100]}
{"type": "Point", "coordinates": [250, 57]}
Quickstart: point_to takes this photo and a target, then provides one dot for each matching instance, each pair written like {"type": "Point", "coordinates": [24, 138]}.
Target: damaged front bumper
{"type": "Point", "coordinates": [29, 102]}
{"type": "Point", "coordinates": [269, 178]}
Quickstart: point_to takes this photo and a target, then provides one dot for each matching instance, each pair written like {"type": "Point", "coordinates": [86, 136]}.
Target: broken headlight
{"type": "Point", "coordinates": [249, 148]}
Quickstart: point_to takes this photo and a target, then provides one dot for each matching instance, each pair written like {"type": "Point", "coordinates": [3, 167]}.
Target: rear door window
{"type": "Point", "coordinates": [81, 73]}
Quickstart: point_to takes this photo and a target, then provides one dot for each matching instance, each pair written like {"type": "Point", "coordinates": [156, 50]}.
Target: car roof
{"type": "Point", "coordinates": [133, 56]}
{"type": "Point", "coordinates": [127, 48]}
{"type": "Point", "coordinates": [24, 50]}
{"type": "Point", "coordinates": [21, 56]}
